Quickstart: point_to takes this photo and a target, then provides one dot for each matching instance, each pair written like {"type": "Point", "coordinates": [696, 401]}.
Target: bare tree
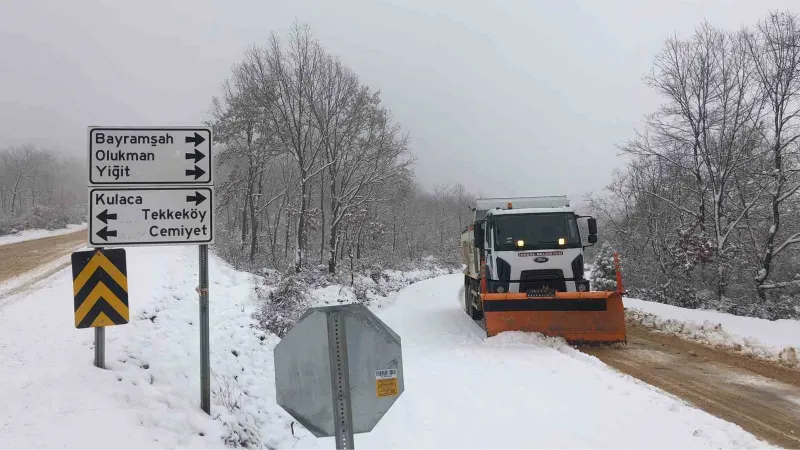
{"type": "Point", "coordinates": [39, 189]}
{"type": "Point", "coordinates": [309, 152]}
{"type": "Point", "coordinates": [363, 150]}
{"type": "Point", "coordinates": [714, 172]}
{"type": "Point", "coordinates": [775, 50]}
{"type": "Point", "coordinates": [284, 83]}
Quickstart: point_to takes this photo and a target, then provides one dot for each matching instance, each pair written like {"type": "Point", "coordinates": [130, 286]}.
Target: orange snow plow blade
{"type": "Point", "coordinates": [578, 317]}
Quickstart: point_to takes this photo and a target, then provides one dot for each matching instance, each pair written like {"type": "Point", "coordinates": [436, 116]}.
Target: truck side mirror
{"type": "Point", "coordinates": [478, 232]}
{"type": "Point", "coordinates": [592, 222]}
{"type": "Point", "coordinates": [593, 239]}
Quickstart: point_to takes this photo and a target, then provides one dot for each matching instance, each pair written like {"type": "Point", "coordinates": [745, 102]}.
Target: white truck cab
{"type": "Point", "coordinates": [527, 243]}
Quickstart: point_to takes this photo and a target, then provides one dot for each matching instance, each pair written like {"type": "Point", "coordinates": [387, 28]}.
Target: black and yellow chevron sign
{"type": "Point", "coordinates": [100, 287]}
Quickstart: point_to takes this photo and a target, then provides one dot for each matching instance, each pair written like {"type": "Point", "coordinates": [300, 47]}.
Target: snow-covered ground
{"type": "Point", "coordinates": [462, 391]}
{"type": "Point", "coordinates": [770, 339]}
{"type": "Point", "coordinates": [29, 235]}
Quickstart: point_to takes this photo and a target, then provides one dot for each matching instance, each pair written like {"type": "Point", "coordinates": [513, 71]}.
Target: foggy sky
{"type": "Point", "coordinates": [506, 97]}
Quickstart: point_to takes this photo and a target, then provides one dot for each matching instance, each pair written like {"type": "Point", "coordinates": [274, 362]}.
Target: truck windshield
{"type": "Point", "coordinates": [536, 231]}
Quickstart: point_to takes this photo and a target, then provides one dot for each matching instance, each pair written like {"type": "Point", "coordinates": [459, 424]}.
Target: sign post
{"type": "Point", "coordinates": [338, 371]}
{"type": "Point", "coordinates": [100, 344]}
{"type": "Point", "coordinates": [205, 363]}
{"type": "Point", "coordinates": [340, 379]}
{"type": "Point", "coordinates": [147, 186]}
{"type": "Point", "coordinates": [100, 347]}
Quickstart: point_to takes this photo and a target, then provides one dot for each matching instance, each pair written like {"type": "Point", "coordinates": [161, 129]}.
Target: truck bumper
{"type": "Point", "coordinates": [578, 317]}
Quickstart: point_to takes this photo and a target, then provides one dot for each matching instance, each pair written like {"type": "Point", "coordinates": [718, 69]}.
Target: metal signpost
{"type": "Point", "coordinates": [338, 371]}
{"type": "Point", "coordinates": [153, 186]}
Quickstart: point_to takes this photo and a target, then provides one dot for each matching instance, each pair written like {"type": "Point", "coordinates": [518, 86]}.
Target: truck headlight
{"type": "Point", "coordinates": [500, 289]}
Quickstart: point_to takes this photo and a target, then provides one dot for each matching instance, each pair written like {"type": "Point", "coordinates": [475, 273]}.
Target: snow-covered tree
{"type": "Point", "coordinates": [604, 274]}
{"type": "Point", "coordinates": [39, 189]}
{"type": "Point", "coordinates": [700, 212]}
{"type": "Point", "coordinates": [315, 170]}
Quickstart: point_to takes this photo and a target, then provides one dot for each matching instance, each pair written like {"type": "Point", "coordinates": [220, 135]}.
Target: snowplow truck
{"type": "Point", "coordinates": [525, 272]}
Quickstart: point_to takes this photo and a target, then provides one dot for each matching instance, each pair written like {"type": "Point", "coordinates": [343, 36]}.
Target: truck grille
{"type": "Point", "coordinates": [538, 279]}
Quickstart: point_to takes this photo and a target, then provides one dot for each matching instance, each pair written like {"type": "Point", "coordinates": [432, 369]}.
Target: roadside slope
{"type": "Point", "coordinates": [52, 395]}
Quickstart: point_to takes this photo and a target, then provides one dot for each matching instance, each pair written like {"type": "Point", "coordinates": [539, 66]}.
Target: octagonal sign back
{"type": "Point", "coordinates": [303, 369]}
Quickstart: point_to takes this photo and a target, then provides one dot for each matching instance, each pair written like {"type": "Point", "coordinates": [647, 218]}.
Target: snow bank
{"type": "Point", "coordinates": [377, 290]}
{"type": "Point", "coordinates": [777, 340]}
{"type": "Point", "coordinates": [150, 395]}
{"type": "Point", "coordinates": [29, 235]}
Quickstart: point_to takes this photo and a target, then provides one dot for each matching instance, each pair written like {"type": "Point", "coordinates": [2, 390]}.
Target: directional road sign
{"type": "Point", "coordinates": [100, 288]}
{"type": "Point", "coordinates": [339, 361]}
{"type": "Point", "coordinates": [151, 216]}
{"type": "Point", "coordinates": [150, 155]}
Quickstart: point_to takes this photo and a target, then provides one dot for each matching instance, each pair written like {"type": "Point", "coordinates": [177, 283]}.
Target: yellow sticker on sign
{"type": "Point", "coordinates": [386, 387]}
{"type": "Point", "coordinates": [386, 382]}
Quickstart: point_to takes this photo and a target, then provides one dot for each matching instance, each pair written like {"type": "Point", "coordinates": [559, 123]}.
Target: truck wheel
{"type": "Point", "coordinates": [466, 294]}
{"type": "Point", "coordinates": [473, 313]}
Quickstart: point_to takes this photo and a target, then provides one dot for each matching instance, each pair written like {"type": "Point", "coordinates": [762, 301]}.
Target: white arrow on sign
{"type": "Point", "coordinates": [150, 155]}
{"type": "Point", "coordinates": [151, 216]}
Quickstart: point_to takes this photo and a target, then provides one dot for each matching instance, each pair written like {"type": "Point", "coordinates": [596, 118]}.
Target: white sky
{"type": "Point", "coordinates": [508, 98]}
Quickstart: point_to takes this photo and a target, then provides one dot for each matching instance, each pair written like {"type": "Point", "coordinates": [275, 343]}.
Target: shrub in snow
{"type": "Point", "coordinates": [364, 288]}
{"type": "Point", "coordinates": [315, 276]}
{"type": "Point", "coordinates": [280, 308]}
{"type": "Point", "coordinates": [692, 247]}
{"type": "Point", "coordinates": [604, 276]}
{"type": "Point", "coordinates": [271, 276]}
{"type": "Point", "coordinates": [225, 393]}
{"type": "Point", "coordinates": [775, 308]}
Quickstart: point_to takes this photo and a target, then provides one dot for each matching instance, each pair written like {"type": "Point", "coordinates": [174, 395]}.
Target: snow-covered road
{"type": "Point", "coordinates": [518, 390]}
{"type": "Point", "coordinates": [462, 390]}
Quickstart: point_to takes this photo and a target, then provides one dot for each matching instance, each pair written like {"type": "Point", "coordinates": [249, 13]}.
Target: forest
{"type": "Point", "coordinates": [317, 174]}
{"type": "Point", "coordinates": [706, 213]}
{"type": "Point", "coordinates": [40, 189]}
